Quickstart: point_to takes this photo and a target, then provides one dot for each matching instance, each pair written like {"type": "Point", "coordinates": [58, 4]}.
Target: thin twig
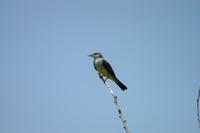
{"type": "Point", "coordinates": [121, 116]}
{"type": "Point", "coordinates": [198, 107]}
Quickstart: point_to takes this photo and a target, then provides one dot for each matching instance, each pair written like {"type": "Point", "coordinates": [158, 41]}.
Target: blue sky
{"type": "Point", "coordinates": [48, 84]}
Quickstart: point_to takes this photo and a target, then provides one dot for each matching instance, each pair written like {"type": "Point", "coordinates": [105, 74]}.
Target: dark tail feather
{"type": "Point", "coordinates": [120, 84]}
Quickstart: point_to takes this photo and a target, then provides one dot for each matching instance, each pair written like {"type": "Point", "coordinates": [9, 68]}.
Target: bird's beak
{"type": "Point", "coordinates": [90, 55]}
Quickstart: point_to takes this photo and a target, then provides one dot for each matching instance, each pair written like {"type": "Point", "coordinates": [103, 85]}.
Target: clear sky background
{"type": "Point", "coordinates": [47, 81]}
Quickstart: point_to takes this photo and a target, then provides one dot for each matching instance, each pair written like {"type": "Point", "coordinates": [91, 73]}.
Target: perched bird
{"type": "Point", "coordinates": [105, 69]}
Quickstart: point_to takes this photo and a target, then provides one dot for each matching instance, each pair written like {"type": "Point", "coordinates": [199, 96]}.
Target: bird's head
{"type": "Point", "coordinates": [96, 55]}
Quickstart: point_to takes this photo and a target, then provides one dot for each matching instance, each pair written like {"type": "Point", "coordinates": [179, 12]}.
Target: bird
{"type": "Point", "coordinates": [105, 69]}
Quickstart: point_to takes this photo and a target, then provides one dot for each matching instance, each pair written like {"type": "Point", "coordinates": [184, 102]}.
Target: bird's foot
{"type": "Point", "coordinates": [101, 77]}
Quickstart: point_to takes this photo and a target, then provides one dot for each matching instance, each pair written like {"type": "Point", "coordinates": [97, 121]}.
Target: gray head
{"type": "Point", "coordinates": [96, 55]}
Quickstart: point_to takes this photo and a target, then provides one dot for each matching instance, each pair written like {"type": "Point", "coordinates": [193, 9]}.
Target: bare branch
{"type": "Point", "coordinates": [121, 115]}
{"type": "Point", "coordinates": [198, 107]}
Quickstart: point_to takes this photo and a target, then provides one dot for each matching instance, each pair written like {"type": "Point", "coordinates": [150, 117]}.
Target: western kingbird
{"type": "Point", "coordinates": [105, 69]}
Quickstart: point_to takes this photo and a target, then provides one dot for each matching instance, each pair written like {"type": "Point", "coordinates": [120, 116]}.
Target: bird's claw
{"type": "Point", "coordinates": [101, 77]}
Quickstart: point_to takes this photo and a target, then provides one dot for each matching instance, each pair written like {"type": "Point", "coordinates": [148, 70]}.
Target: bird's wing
{"type": "Point", "coordinates": [108, 67]}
